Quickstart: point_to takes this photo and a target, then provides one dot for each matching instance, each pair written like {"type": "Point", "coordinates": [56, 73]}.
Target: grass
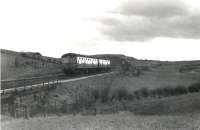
{"type": "Point", "coordinates": [171, 113]}
{"type": "Point", "coordinates": [189, 103]}
{"type": "Point", "coordinates": [120, 121]}
{"type": "Point", "coordinates": [158, 78]}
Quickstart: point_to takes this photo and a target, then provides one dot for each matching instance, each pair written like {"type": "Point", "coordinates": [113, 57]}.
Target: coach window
{"type": "Point", "coordinates": [79, 60]}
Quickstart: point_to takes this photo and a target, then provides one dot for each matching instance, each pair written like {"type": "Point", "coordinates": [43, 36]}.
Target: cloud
{"type": "Point", "coordinates": [155, 8]}
{"type": "Point", "coordinates": [141, 20]}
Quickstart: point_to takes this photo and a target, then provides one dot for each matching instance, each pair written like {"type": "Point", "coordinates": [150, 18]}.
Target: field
{"type": "Point", "coordinates": [185, 117]}
{"type": "Point", "coordinates": [121, 121]}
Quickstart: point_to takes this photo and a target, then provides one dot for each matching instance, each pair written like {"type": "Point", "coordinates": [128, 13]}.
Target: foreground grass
{"type": "Point", "coordinates": [171, 113]}
{"type": "Point", "coordinates": [120, 121]}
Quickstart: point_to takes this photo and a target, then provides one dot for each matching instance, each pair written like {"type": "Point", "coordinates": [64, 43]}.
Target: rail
{"type": "Point", "coordinates": [7, 84]}
{"type": "Point", "coordinates": [47, 83]}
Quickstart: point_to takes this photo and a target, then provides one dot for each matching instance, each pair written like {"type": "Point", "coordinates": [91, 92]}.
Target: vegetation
{"type": "Point", "coordinates": [186, 68]}
{"type": "Point", "coordinates": [194, 88]}
{"type": "Point", "coordinates": [89, 97]}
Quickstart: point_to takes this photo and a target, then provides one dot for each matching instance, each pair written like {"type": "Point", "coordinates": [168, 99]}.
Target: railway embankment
{"type": "Point", "coordinates": [53, 97]}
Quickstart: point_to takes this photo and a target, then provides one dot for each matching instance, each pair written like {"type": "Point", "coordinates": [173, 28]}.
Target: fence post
{"type": "Point", "coordinates": [95, 111]}
{"type": "Point", "coordinates": [24, 82]}
{"type": "Point", "coordinates": [48, 85]}
{"type": "Point", "coordinates": [55, 106]}
{"type": "Point", "coordinates": [24, 88]}
{"type": "Point", "coordinates": [15, 86]}
{"type": "Point", "coordinates": [4, 85]}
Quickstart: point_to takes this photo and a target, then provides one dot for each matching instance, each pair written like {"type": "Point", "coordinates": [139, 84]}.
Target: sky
{"type": "Point", "coordinates": [144, 29]}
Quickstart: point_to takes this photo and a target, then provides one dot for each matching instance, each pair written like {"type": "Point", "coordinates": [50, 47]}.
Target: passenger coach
{"type": "Point", "coordinates": [81, 63]}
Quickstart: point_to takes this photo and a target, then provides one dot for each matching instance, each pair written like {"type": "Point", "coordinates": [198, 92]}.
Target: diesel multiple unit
{"type": "Point", "coordinates": [81, 63]}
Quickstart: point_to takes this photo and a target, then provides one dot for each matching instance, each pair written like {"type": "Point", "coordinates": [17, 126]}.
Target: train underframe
{"type": "Point", "coordinates": [69, 71]}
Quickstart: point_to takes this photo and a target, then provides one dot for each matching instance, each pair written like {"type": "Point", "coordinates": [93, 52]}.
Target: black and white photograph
{"type": "Point", "coordinates": [100, 65]}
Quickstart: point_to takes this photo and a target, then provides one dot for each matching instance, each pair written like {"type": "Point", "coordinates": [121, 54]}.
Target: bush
{"type": "Point", "coordinates": [17, 63]}
{"type": "Point", "coordinates": [180, 90]}
{"type": "Point", "coordinates": [153, 93]}
{"type": "Point", "coordinates": [159, 92]}
{"type": "Point", "coordinates": [194, 88]}
{"type": "Point", "coordinates": [137, 94]}
{"type": "Point", "coordinates": [168, 91]}
{"type": "Point", "coordinates": [130, 97]}
{"type": "Point", "coordinates": [95, 94]}
{"type": "Point", "coordinates": [104, 93]}
{"type": "Point", "coordinates": [120, 93]}
{"type": "Point", "coordinates": [144, 92]}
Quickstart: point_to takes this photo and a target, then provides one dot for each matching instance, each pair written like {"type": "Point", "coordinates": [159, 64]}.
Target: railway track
{"type": "Point", "coordinates": [32, 83]}
{"type": "Point", "coordinates": [7, 84]}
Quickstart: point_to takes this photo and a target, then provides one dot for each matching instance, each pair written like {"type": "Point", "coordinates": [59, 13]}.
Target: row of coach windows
{"type": "Point", "coordinates": [104, 62]}
{"type": "Point", "coordinates": [85, 60]}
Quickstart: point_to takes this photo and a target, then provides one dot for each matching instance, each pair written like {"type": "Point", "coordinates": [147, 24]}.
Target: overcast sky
{"type": "Point", "coordinates": [144, 29]}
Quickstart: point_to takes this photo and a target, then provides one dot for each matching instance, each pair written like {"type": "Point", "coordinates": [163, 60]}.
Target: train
{"type": "Point", "coordinates": [77, 63]}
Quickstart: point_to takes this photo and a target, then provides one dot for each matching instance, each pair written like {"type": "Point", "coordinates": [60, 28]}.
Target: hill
{"type": "Point", "coordinates": [16, 65]}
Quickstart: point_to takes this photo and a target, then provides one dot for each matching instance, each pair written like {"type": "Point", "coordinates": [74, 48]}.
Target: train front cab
{"type": "Point", "coordinates": [69, 63]}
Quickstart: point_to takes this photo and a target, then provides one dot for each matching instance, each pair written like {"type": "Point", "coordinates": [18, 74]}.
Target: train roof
{"type": "Point", "coordinates": [69, 54]}
{"type": "Point", "coordinates": [74, 54]}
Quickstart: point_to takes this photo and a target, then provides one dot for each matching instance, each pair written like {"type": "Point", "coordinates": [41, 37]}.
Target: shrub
{"type": "Point", "coordinates": [152, 93]}
{"type": "Point", "coordinates": [180, 90]}
{"type": "Point", "coordinates": [120, 93]}
{"type": "Point", "coordinates": [194, 88]}
{"type": "Point", "coordinates": [168, 91]}
{"type": "Point", "coordinates": [95, 94]}
{"type": "Point", "coordinates": [130, 96]}
{"type": "Point", "coordinates": [144, 92]}
{"type": "Point", "coordinates": [17, 63]}
{"type": "Point", "coordinates": [159, 92]}
{"type": "Point", "coordinates": [104, 93]}
{"type": "Point", "coordinates": [137, 94]}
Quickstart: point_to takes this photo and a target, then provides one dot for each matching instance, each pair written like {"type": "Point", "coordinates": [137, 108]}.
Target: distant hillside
{"type": "Point", "coordinates": [15, 65]}
{"type": "Point", "coordinates": [129, 64]}
{"type": "Point", "coordinates": [28, 64]}
{"type": "Point", "coordinates": [118, 59]}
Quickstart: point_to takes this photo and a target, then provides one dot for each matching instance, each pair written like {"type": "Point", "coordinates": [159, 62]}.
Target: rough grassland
{"type": "Point", "coordinates": [178, 113]}
{"type": "Point", "coordinates": [120, 121]}
{"type": "Point", "coordinates": [189, 103]}
{"type": "Point", "coordinates": [158, 77]}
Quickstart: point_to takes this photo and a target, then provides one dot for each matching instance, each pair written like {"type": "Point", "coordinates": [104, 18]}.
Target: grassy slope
{"type": "Point", "coordinates": [28, 72]}
{"type": "Point", "coordinates": [158, 77]}
{"type": "Point", "coordinates": [16, 66]}
{"type": "Point", "coordinates": [189, 103]}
